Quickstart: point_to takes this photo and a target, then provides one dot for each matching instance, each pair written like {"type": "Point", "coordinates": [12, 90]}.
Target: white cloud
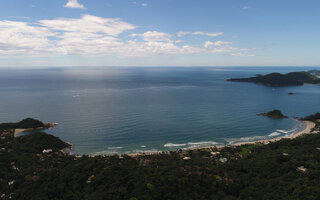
{"type": "Point", "coordinates": [74, 4]}
{"type": "Point", "coordinates": [144, 49]}
{"type": "Point", "coordinates": [154, 36]}
{"type": "Point", "coordinates": [92, 35]}
{"type": "Point", "coordinates": [209, 44]}
{"type": "Point", "coordinates": [180, 34]}
{"type": "Point", "coordinates": [223, 49]}
{"type": "Point", "coordinates": [242, 55]}
{"type": "Point", "coordinates": [245, 7]}
{"type": "Point", "coordinates": [208, 34]}
{"type": "Point", "coordinates": [87, 43]}
{"type": "Point", "coordinates": [20, 37]}
{"type": "Point", "coordinates": [89, 34]}
{"type": "Point", "coordinates": [89, 24]}
{"type": "Point", "coordinates": [19, 17]}
{"type": "Point", "coordinates": [142, 4]}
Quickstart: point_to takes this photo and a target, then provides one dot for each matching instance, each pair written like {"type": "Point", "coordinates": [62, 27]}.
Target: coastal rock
{"type": "Point", "coordinates": [273, 114]}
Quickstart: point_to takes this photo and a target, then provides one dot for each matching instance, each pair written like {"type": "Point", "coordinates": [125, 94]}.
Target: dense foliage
{"type": "Point", "coordinates": [36, 143]}
{"type": "Point", "coordinates": [315, 72]}
{"type": "Point", "coordinates": [287, 169]}
{"type": "Point", "coordinates": [26, 123]}
{"type": "Point", "coordinates": [30, 123]}
{"type": "Point", "coordinates": [314, 118]}
{"type": "Point", "coordinates": [277, 79]}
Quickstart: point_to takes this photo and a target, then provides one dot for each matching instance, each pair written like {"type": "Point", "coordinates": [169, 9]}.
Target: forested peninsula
{"type": "Point", "coordinates": [36, 166]}
{"type": "Point", "coordinates": [278, 79]}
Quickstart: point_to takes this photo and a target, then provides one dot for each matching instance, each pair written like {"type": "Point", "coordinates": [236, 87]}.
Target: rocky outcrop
{"type": "Point", "coordinates": [273, 114]}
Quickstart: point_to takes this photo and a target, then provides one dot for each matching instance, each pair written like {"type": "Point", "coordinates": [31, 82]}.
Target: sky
{"type": "Point", "coordinates": [70, 33]}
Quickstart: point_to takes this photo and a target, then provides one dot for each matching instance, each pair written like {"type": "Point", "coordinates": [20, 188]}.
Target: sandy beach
{"type": "Point", "coordinates": [309, 125]}
{"type": "Point", "coordinates": [17, 131]}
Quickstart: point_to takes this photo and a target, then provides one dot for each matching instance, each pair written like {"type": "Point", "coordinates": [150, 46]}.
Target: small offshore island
{"type": "Point", "coordinates": [273, 114]}
{"type": "Point", "coordinates": [278, 80]}
{"type": "Point", "coordinates": [35, 166]}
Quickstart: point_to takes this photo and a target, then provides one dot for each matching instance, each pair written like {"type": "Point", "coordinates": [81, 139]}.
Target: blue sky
{"type": "Point", "coordinates": [45, 33]}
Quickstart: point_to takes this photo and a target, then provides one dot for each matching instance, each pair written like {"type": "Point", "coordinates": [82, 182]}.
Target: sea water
{"type": "Point", "coordinates": [146, 109]}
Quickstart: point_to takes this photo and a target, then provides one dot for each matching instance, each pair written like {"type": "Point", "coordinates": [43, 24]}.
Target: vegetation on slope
{"type": "Point", "coordinates": [24, 124]}
{"type": "Point", "coordinates": [315, 72]}
{"type": "Point", "coordinates": [287, 169]}
{"type": "Point", "coordinates": [315, 118]}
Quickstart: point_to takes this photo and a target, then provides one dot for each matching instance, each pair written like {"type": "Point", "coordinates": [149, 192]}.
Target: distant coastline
{"type": "Point", "coordinates": [279, 80]}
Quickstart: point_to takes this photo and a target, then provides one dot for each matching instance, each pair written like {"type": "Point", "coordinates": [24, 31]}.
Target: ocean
{"type": "Point", "coordinates": [146, 109]}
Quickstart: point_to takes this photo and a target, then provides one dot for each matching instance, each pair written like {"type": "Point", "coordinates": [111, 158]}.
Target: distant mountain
{"type": "Point", "coordinates": [277, 79]}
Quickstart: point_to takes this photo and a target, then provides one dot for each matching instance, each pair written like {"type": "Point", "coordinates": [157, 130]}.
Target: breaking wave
{"type": "Point", "coordinates": [274, 134]}
{"type": "Point", "coordinates": [174, 145]}
{"type": "Point", "coordinates": [111, 148]}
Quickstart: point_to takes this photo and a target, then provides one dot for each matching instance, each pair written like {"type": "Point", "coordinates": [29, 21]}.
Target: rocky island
{"type": "Point", "coordinates": [278, 80]}
{"type": "Point", "coordinates": [273, 114]}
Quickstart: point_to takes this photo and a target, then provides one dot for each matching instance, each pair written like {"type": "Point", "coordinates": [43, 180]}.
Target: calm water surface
{"type": "Point", "coordinates": [118, 110]}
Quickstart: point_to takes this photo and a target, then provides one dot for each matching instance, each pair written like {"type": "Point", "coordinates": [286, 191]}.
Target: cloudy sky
{"type": "Point", "coordinates": [45, 33]}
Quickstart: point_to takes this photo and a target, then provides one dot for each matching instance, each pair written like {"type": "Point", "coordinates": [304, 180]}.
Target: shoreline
{"type": "Point", "coordinates": [309, 125]}
{"type": "Point", "coordinates": [17, 131]}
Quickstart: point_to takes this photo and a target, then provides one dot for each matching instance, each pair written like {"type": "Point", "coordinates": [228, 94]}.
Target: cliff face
{"type": "Point", "coordinates": [277, 79]}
